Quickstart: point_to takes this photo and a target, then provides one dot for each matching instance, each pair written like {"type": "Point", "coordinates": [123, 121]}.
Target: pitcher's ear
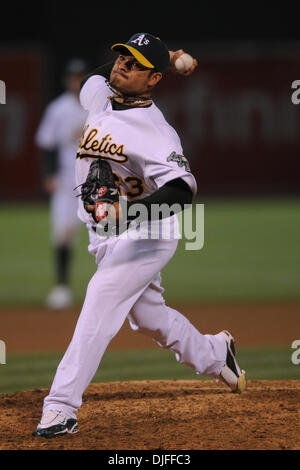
{"type": "Point", "coordinates": [154, 79]}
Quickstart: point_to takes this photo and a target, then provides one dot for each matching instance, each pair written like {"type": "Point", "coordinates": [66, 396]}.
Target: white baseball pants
{"type": "Point", "coordinates": [127, 285]}
{"type": "Point", "coordinates": [63, 214]}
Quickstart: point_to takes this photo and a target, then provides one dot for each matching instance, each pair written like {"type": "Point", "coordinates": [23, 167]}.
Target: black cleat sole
{"type": "Point", "coordinates": [59, 430]}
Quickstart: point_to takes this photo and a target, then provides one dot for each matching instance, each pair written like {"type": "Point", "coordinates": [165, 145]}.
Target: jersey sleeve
{"type": "Point", "coordinates": [46, 135]}
{"type": "Point", "coordinates": [169, 164]}
{"type": "Point", "coordinates": [94, 90]}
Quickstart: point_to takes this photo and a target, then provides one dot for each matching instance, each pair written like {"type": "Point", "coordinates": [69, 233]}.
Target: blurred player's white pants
{"type": "Point", "coordinates": [127, 284]}
{"type": "Point", "coordinates": [63, 211]}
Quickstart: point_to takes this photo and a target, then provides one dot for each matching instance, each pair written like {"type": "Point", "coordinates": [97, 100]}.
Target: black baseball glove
{"type": "Point", "coordinates": [99, 191]}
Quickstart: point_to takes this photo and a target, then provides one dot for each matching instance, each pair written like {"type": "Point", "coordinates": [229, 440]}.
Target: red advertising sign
{"type": "Point", "coordinates": [239, 127]}
{"type": "Point", "coordinates": [21, 71]}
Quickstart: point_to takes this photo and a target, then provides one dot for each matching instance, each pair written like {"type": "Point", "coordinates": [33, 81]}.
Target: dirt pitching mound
{"type": "Point", "coordinates": [164, 415]}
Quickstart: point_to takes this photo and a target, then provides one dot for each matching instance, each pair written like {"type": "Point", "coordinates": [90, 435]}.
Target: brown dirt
{"type": "Point", "coordinates": [252, 324]}
{"type": "Point", "coordinates": [163, 415]}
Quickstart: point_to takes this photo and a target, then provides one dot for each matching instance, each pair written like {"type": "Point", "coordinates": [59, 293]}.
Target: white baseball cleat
{"type": "Point", "coordinates": [231, 374]}
{"type": "Point", "coordinates": [55, 423]}
{"type": "Point", "coordinates": [60, 297]}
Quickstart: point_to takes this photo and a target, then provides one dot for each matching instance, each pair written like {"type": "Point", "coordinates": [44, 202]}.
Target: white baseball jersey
{"type": "Point", "coordinates": [143, 150]}
{"type": "Point", "coordinates": [60, 129]}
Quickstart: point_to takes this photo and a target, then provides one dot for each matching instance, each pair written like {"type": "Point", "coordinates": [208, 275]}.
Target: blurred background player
{"type": "Point", "coordinates": [57, 137]}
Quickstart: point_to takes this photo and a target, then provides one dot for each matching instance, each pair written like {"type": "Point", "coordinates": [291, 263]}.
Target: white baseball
{"type": "Point", "coordinates": [184, 63]}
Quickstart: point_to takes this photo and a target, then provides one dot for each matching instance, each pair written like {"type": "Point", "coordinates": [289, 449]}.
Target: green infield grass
{"type": "Point", "coordinates": [32, 371]}
{"type": "Point", "coordinates": [251, 252]}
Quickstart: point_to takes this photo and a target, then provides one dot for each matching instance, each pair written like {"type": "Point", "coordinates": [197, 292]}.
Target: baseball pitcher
{"type": "Point", "coordinates": [128, 152]}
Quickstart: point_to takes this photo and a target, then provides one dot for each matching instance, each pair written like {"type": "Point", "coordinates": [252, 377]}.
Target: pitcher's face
{"type": "Point", "coordinates": [131, 78]}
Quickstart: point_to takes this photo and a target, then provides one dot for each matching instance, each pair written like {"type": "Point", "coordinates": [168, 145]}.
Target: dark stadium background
{"type": "Point", "coordinates": [225, 38]}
